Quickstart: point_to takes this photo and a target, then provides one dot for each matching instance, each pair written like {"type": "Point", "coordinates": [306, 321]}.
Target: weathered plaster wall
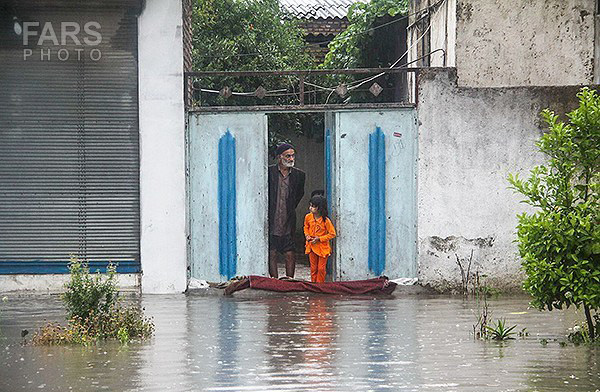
{"type": "Point", "coordinates": [162, 148]}
{"type": "Point", "coordinates": [469, 140]}
{"type": "Point", "coordinates": [524, 42]}
{"type": "Point", "coordinates": [443, 34]}
{"type": "Point", "coordinates": [431, 29]}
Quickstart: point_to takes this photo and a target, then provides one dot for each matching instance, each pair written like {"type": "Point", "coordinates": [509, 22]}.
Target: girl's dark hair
{"type": "Point", "coordinates": [317, 192]}
{"type": "Point", "coordinates": [320, 202]}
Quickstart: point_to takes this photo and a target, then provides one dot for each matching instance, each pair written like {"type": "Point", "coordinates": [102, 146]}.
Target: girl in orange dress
{"type": "Point", "coordinates": [318, 230]}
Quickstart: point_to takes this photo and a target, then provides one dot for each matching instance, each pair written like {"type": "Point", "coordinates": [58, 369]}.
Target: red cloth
{"type": "Point", "coordinates": [369, 286]}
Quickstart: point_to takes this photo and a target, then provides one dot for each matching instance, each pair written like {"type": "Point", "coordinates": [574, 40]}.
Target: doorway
{"type": "Point", "coordinates": [306, 132]}
{"type": "Point", "coordinates": [365, 160]}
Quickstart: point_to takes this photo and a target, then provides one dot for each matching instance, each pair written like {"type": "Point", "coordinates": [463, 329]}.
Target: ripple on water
{"type": "Point", "coordinates": [293, 343]}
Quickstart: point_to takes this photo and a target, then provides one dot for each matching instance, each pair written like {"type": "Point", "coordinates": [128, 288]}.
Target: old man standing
{"type": "Point", "coordinates": [286, 188]}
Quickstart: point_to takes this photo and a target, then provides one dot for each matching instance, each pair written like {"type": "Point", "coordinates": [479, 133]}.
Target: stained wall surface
{"type": "Point", "coordinates": [524, 43]}
{"type": "Point", "coordinates": [469, 140]}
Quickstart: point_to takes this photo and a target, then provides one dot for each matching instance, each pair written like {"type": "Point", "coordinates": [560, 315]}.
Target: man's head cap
{"type": "Point", "coordinates": [283, 147]}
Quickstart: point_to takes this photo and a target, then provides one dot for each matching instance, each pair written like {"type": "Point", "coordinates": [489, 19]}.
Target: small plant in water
{"type": "Point", "coordinates": [465, 273]}
{"type": "Point", "coordinates": [500, 331]}
{"type": "Point", "coordinates": [523, 333]}
{"type": "Point", "coordinates": [481, 293]}
{"type": "Point", "coordinates": [94, 311]}
{"type": "Point", "coordinates": [123, 335]}
{"type": "Point", "coordinates": [579, 335]}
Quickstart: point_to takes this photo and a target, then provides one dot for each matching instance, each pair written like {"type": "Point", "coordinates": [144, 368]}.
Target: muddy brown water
{"type": "Point", "coordinates": [303, 343]}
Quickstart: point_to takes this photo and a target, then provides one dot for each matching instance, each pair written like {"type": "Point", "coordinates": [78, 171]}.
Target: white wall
{"type": "Point", "coordinates": [469, 140]}
{"type": "Point", "coordinates": [524, 42]}
{"type": "Point", "coordinates": [162, 148]}
{"type": "Point", "coordinates": [55, 283]}
{"type": "Point", "coordinates": [441, 33]}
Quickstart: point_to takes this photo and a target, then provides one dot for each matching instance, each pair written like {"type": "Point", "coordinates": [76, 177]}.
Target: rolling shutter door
{"type": "Point", "coordinates": [69, 146]}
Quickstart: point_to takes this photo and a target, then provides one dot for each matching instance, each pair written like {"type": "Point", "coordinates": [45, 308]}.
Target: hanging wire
{"type": "Point", "coordinates": [356, 84]}
{"type": "Point", "coordinates": [284, 92]}
{"type": "Point", "coordinates": [245, 94]}
{"type": "Point", "coordinates": [366, 80]}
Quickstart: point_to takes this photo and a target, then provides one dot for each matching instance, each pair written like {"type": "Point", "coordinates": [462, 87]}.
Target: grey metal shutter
{"type": "Point", "coordinates": [69, 145]}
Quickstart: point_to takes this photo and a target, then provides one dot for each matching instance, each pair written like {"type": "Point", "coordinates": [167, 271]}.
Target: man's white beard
{"type": "Point", "coordinates": [288, 164]}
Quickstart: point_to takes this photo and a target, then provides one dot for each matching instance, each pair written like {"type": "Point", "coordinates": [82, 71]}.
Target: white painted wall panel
{"type": "Point", "coordinates": [162, 148]}
{"type": "Point", "coordinates": [351, 177]}
{"type": "Point", "coordinates": [250, 133]}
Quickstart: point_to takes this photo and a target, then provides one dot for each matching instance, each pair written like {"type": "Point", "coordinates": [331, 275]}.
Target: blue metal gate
{"type": "Point", "coordinates": [227, 193]}
{"type": "Point", "coordinates": [373, 192]}
{"type": "Point", "coordinates": [370, 162]}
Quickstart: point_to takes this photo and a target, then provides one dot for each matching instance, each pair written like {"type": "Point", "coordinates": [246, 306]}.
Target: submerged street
{"type": "Point", "coordinates": [270, 342]}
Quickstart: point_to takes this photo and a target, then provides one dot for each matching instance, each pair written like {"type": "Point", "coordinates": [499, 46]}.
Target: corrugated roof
{"type": "Point", "coordinates": [318, 9]}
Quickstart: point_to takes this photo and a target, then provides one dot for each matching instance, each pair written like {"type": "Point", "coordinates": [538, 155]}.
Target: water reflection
{"type": "Point", "coordinates": [298, 343]}
{"type": "Point", "coordinates": [228, 340]}
{"type": "Point", "coordinates": [388, 345]}
{"type": "Point", "coordinates": [163, 362]}
{"type": "Point", "coordinates": [319, 347]}
{"type": "Point", "coordinates": [377, 350]}
{"type": "Point", "coordinates": [574, 370]}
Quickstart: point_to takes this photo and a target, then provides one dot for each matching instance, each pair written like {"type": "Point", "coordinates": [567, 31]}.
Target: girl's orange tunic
{"type": "Point", "coordinates": [318, 228]}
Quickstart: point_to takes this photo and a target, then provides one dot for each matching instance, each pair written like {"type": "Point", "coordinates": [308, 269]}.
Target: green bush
{"type": "Point", "coordinates": [87, 292]}
{"type": "Point", "coordinates": [94, 312]}
{"type": "Point", "coordinates": [350, 48]}
{"type": "Point", "coordinates": [560, 242]}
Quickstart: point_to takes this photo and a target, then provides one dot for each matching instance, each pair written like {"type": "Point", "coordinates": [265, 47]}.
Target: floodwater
{"type": "Point", "coordinates": [304, 343]}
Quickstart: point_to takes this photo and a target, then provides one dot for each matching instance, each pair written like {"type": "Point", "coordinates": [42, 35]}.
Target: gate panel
{"type": "Point", "coordinates": [227, 158]}
{"type": "Point", "coordinates": [374, 193]}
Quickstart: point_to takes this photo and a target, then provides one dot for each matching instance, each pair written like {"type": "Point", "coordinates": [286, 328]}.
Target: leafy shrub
{"type": "Point", "coordinates": [94, 312]}
{"type": "Point", "coordinates": [86, 293]}
{"type": "Point", "coordinates": [560, 242]}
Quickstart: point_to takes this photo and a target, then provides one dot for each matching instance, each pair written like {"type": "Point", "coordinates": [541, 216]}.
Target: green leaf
{"type": "Point", "coordinates": [559, 242]}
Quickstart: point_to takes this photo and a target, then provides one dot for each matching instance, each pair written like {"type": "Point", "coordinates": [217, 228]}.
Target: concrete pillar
{"type": "Point", "coordinates": [162, 148]}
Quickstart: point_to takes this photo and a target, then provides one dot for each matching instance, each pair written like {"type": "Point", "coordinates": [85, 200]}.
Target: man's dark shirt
{"type": "Point", "coordinates": [295, 191]}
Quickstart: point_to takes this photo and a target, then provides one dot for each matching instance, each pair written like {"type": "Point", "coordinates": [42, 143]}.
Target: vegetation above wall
{"type": "Point", "coordinates": [351, 48]}
{"type": "Point", "coordinates": [245, 35]}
